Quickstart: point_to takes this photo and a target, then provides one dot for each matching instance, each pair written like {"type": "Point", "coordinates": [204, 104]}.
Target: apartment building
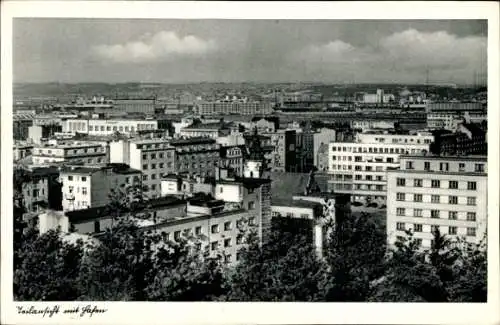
{"type": "Point", "coordinates": [85, 187]}
{"type": "Point", "coordinates": [196, 156]}
{"type": "Point", "coordinates": [320, 138]}
{"type": "Point", "coordinates": [232, 157]}
{"type": "Point", "coordinates": [469, 139]}
{"type": "Point", "coordinates": [210, 130]}
{"type": "Point", "coordinates": [284, 150]}
{"type": "Point", "coordinates": [153, 157]}
{"type": "Point", "coordinates": [455, 107]}
{"type": "Point", "coordinates": [103, 127]}
{"type": "Point", "coordinates": [428, 192]}
{"type": "Point", "coordinates": [41, 190]}
{"type": "Point", "coordinates": [230, 107]}
{"type": "Point", "coordinates": [135, 105]}
{"type": "Point", "coordinates": [359, 168]}
{"type": "Point", "coordinates": [22, 150]}
{"type": "Point", "coordinates": [444, 121]}
{"type": "Point", "coordinates": [87, 152]}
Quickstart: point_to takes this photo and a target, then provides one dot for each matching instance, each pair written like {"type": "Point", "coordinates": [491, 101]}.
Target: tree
{"type": "Point", "coordinates": [355, 257]}
{"type": "Point", "coordinates": [448, 271]}
{"type": "Point", "coordinates": [47, 268]}
{"type": "Point", "coordinates": [116, 267]}
{"type": "Point", "coordinates": [284, 268]}
{"type": "Point", "coordinates": [184, 272]}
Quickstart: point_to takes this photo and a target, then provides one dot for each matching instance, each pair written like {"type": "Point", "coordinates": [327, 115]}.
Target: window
{"type": "Point", "coordinates": [417, 212]}
{"type": "Point", "coordinates": [400, 226]}
{"type": "Point", "coordinates": [84, 190]}
{"type": "Point", "coordinates": [417, 227]}
{"type": "Point", "coordinates": [400, 211]}
{"type": "Point", "coordinates": [401, 182]}
{"type": "Point", "coordinates": [417, 197]}
{"type": "Point", "coordinates": [177, 235]}
{"type": "Point", "coordinates": [145, 166]}
{"type": "Point", "coordinates": [471, 232]}
{"type": "Point", "coordinates": [251, 205]}
{"type": "Point", "coordinates": [227, 225]}
{"type": "Point", "coordinates": [417, 182]}
{"type": "Point", "coordinates": [227, 242]}
{"type": "Point", "coordinates": [390, 160]}
{"type": "Point", "coordinates": [144, 177]}
{"type": "Point", "coordinates": [409, 165]}
{"type": "Point", "coordinates": [453, 199]}
{"type": "Point", "coordinates": [197, 230]}
{"type": "Point", "coordinates": [144, 157]}
{"type": "Point", "coordinates": [84, 179]}
{"type": "Point", "coordinates": [452, 215]}
{"type": "Point", "coordinates": [471, 200]}
{"type": "Point", "coordinates": [70, 178]}
{"type": "Point", "coordinates": [435, 198]}
{"type": "Point", "coordinates": [238, 256]}
{"type": "Point", "coordinates": [153, 166]}
{"type": "Point", "coordinates": [357, 167]}
{"type": "Point", "coordinates": [221, 189]}
{"type": "Point", "coordinates": [368, 177]}
{"type": "Point", "coordinates": [453, 184]}
{"type": "Point", "coordinates": [35, 193]}
{"type": "Point", "coordinates": [239, 239]}
{"type": "Point", "coordinates": [443, 167]}
{"type": "Point", "coordinates": [153, 156]}
{"type": "Point", "coordinates": [214, 245]}
{"type": "Point", "coordinates": [472, 186]}
{"type": "Point", "coordinates": [461, 167]}
{"type": "Point", "coordinates": [70, 188]}
{"type": "Point", "coordinates": [434, 213]}
{"type": "Point", "coordinates": [251, 221]}
{"type": "Point", "coordinates": [400, 196]}
{"type": "Point", "coordinates": [435, 183]}
{"type": "Point", "coordinates": [153, 187]}
{"type": "Point", "coordinates": [471, 216]}
{"type": "Point", "coordinates": [153, 176]}
{"type": "Point", "coordinates": [479, 168]}
{"type": "Point", "coordinates": [214, 229]}
{"type": "Point", "coordinates": [161, 165]}
{"type": "Point", "coordinates": [434, 228]}
{"type": "Point", "coordinates": [427, 165]}
{"type": "Point", "coordinates": [452, 230]}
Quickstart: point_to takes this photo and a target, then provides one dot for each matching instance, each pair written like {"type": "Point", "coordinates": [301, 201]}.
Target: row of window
{"type": "Point", "coordinates": [452, 199]}
{"type": "Point", "coordinates": [153, 166]}
{"type": "Point", "coordinates": [401, 150]}
{"type": "Point", "coordinates": [359, 168]}
{"type": "Point", "coordinates": [436, 214]}
{"type": "Point", "coordinates": [214, 229]}
{"type": "Point", "coordinates": [290, 215]}
{"type": "Point", "coordinates": [452, 230]}
{"type": "Point", "coordinates": [82, 178]}
{"type": "Point", "coordinates": [108, 128]}
{"type": "Point", "coordinates": [71, 189]}
{"type": "Point", "coordinates": [444, 166]}
{"type": "Point", "coordinates": [435, 183]}
{"type": "Point", "coordinates": [160, 155]}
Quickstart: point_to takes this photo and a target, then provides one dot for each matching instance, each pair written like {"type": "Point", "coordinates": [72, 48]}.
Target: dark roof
{"type": "Point", "coordinates": [295, 203]}
{"type": "Point", "coordinates": [245, 181]}
{"type": "Point", "coordinates": [79, 216]}
{"type": "Point", "coordinates": [122, 169]}
{"type": "Point", "coordinates": [197, 140]}
{"type": "Point", "coordinates": [216, 126]}
{"type": "Point", "coordinates": [44, 171]}
{"type": "Point", "coordinates": [474, 128]}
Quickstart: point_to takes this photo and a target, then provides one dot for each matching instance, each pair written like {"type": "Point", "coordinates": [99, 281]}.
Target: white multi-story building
{"type": "Point", "coordinates": [103, 127]}
{"type": "Point", "coordinates": [443, 121]}
{"type": "Point", "coordinates": [426, 192]}
{"type": "Point", "coordinates": [88, 152]}
{"type": "Point", "coordinates": [90, 186]}
{"type": "Point", "coordinates": [153, 157]}
{"type": "Point", "coordinates": [359, 168]}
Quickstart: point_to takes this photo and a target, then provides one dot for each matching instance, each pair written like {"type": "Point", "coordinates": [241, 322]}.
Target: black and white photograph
{"type": "Point", "coordinates": [248, 160]}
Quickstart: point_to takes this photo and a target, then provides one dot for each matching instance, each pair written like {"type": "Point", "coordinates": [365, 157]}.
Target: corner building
{"type": "Point", "coordinates": [426, 192]}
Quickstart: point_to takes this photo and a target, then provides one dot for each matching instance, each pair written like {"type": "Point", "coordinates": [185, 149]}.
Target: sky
{"type": "Point", "coordinates": [181, 51]}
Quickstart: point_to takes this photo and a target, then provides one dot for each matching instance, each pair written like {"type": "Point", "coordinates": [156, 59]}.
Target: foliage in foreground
{"type": "Point", "coordinates": [130, 264]}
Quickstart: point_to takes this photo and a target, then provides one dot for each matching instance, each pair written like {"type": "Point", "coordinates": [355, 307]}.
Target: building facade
{"type": "Point", "coordinates": [359, 168]}
{"type": "Point", "coordinates": [429, 192]}
{"type": "Point", "coordinates": [85, 187]}
{"type": "Point", "coordinates": [103, 127]}
{"type": "Point", "coordinates": [196, 156]}
{"type": "Point", "coordinates": [86, 152]}
{"type": "Point", "coordinates": [153, 157]}
{"type": "Point", "coordinates": [237, 108]}
{"type": "Point", "coordinates": [284, 151]}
